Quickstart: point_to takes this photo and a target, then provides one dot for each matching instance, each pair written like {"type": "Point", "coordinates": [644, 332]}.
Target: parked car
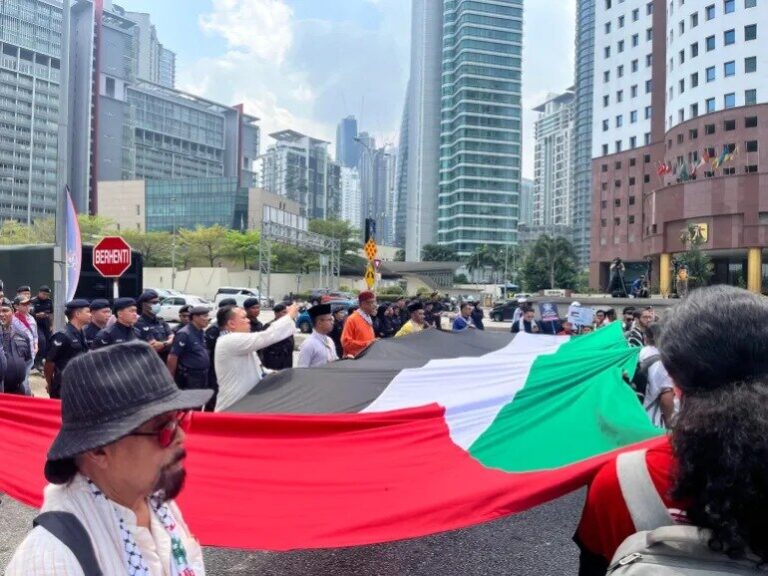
{"type": "Point", "coordinates": [165, 292]}
{"type": "Point", "coordinates": [503, 311]}
{"type": "Point", "coordinates": [169, 307]}
{"type": "Point", "coordinates": [304, 322]}
{"type": "Point", "coordinates": [240, 295]}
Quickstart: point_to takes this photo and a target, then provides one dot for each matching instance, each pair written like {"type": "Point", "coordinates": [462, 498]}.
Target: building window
{"type": "Point", "coordinates": [619, 121]}
{"type": "Point", "coordinates": [711, 74]}
{"type": "Point", "coordinates": [750, 3]}
{"type": "Point", "coordinates": [694, 79]}
{"type": "Point", "coordinates": [729, 6]}
{"type": "Point", "coordinates": [620, 46]}
{"type": "Point", "coordinates": [635, 40]}
{"type": "Point", "coordinates": [694, 19]}
{"type": "Point", "coordinates": [110, 87]}
{"type": "Point", "coordinates": [606, 76]}
{"type": "Point", "coordinates": [648, 60]}
{"type": "Point", "coordinates": [711, 152]}
{"type": "Point", "coordinates": [604, 168]}
{"type": "Point", "coordinates": [633, 91]}
{"type": "Point", "coordinates": [631, 198]}
{"type": "Point", "coordinates": [632, 161]}
{"type": "Point", "coordinates": [693, 133]}
{"type": "Point", "coordinates": [750, 32]}
{"type": "Point", "coordinates": [710, 43]}
{"type": "Point", "coordinates": [607, 27]}
{"type": "Point", "coordinates": [750, 122]}
{"type": "Point", "coordinates": [711, 107]}
{"type": "Point", "coordinates": [648, 111]}
{"type": "Point", "coordinates": [617, 184]}
{"type": "Point", "coordinates": [617, 222]}
{"type": "Point", "coordinates": [681, 56]}
{"type": "Point", "coordinates": [648, 86]}
{"type": "Point", "coordinates": [606, 101]}
{"type": "Point", "coordinates": [617, 165]}
{"type": "Point", "coordinates": [729, 125]}
{"type": "Point", "coordinates": [729, 37]}
{"type": "Point", "coordinates": [681, 87]}
{"type": "Point", "coordinates": [750, 64]}
{"type": "Point", "coordinates": [694, 110]}
{"type": "Point", "coordinates": [635, 65]}
{"type": "Point", "coordinates": [631, 219]}
{"type": "Point", "coordinates": [605, 149]}
{"type": "Point", "coordinates": [649, 34]}
{"type": "Point", "coordinates": [604, 186]}
{"type": "Point", "coordinates": [709, 11]}
{"type": "Point", "coordinates": [750, 169]}
{"type": "Point", "coordinates": [633, 117]}
{"type": "Point", "coordinates": [649, 8]}
{"type": "Point", "coordinates": [680, 138]}
{"type": "Point", "coordinates": [682, 27]}
{"type": "Point", "coordinates": [750, 97]}
{"type": "Point", "coordinates": [603, 204]}
{"type": "Point", "coordinates": [607, 51]}
{"type": "Point", "coordinates": [603, 222]}
{"type": "Point", "coordinates": [621, 21]}
{"type": "Point", "coordinates": [729, 69]}
{"type": "Point", "coordinates": [646, 158]}
{"type": "Point", "coordinates": [635, 15]}
{"type": "Point", "coordinates": [729, 100]}
{"type": "Point", "coordinates": [633, 142]}
{"type": "Point", "coordinates": [620, 71]}
{"type": "Point", "coordinates": [752, 146]}
{"type": "Point", "coordinates": [646, 178]}
{"type": "Point", "coordinates": [620, 96]}
{"type": "Point", "coordinates": [694, 50]}
{"type": "Point", "coordinates": [681, 115]}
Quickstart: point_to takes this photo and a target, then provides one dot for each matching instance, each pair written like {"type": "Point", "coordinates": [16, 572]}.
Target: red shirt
{"type": "Point", "coordinates": [605, 522]}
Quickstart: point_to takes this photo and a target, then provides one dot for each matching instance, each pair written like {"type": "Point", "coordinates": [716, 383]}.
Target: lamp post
{"type": "Point", "coordinates": [173, 245]}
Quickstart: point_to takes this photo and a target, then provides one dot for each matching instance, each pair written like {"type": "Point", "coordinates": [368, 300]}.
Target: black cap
{"type": "Point", "coordinates": [319, 310]}
{"type": "Point", "coordinates": [146, 296]}
{"type": "Point", "coordinates": [21, 300]}
{"type": "Point", "coordinates": [76, 304]}
{"type": "Point", "coordinates": [414, 306]}
{"type": "Point", "coordinates": [99, 304]}
{"type": "Point", "coordinates": [227, 302]}
{"type": "Point", "coordinates": [122, 303]}
{"type": "Point", "coordinates": [250, 302]}
{"type": "Point", "coordinates": [279, 308]}
{"type": "Point", "coordinates": [197, 310]}
{"type": "Point", "coordinates": [44, 288]}
{"type": "Point", "coordinates": [23, 289]}
{"type": "Point", "coordinates": [5, 303]}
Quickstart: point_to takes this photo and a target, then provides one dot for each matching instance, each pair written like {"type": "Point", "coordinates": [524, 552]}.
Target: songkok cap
{"type": "Point", "coordinates": [121, 303]}
{"type": "Point", "coordinates": [77, 304]}
{"type": "Point", "coordinates": [99, 304]}
{"type": "Point", "coordinates": [365, 296]}
{"type": "Point", "coordinates": [23, 289]}
{"type": "Point", "coordinates": [414, 306]}
{"type": "Point", "coordinates": [319, 310]}
{"type": "Point", "coordinates": [251, 302]}
{"type": "Point", "coordinates": [107, 394]}
{"type": "Point", "coordinates": [146, 296]}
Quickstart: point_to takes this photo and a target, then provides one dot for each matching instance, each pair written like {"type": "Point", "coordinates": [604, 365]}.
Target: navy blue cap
{"type": "Point", "coordinates": [227, 302]}
{"type": "Point", "coordinates": [76, 304]}
{"type": "Point", "coordinates": [99, 304]}
{"type": "Point", "coordinates": [198, 310]}
{"type": "Point", "coordinates": [121, 303]}
{"type": "Point", "coordinates": [146, 296]}
{"type": "Point", "coordinates": [249, 302]}
{"type": "Point", "coordinates": [23, 289]}
{"type": "Point", "coordinates": [44, 288]}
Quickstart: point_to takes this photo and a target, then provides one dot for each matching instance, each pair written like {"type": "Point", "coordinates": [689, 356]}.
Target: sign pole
{"type": "Point", "coordinates": [115, 288]}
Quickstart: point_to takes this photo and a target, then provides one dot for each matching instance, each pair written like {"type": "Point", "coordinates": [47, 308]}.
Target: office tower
{"type": "Point", "coordinates": [351, 198]}
{"type": "Point", "coordinates": [347, 148]}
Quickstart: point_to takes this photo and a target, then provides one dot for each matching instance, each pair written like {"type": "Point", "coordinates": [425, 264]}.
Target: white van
{"type": "Point", "coordinates": [240, 295]}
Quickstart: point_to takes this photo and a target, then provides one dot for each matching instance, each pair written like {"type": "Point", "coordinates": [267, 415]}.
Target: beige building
{"type": "Point", "coordinates": [124, 202]}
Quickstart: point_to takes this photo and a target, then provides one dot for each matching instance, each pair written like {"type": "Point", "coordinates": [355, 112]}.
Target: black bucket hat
{"type": "Point", "coordinates": [107, 394]}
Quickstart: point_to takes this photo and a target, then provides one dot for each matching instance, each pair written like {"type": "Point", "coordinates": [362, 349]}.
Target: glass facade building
{"type": "Point", "coordinates": [30, 47]}
{"type": "Point", "coordinates": [582, 171]}
{"type": "Point", "coordinates": [480, 139]}
{"type": "Point", "coordinates": [176, 204]}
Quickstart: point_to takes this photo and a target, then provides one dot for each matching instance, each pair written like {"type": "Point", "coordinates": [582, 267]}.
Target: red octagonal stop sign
{"type": "Point", "coordinates": [112, 256]}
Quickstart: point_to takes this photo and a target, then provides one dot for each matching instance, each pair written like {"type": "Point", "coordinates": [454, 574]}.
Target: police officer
{"type": "Point", "coordinates": [188, 361]}
{"type": "Point", "coordinates": [183, 318]}
{"type": "Point", "coordinates": [279, 355]}
{"type": "Point", "coordinates": [42, 310]}
{"type": "Point", "coordinates": [211, 337]}
{"type": "Point", "coordinates": [66, 344]}
{"type": "Point", "coordinates": [150, 327]}
{"type": "Point", "coordinates": [100, 315]}
{"type": "Point", "coordinates": [252, 307]}
{"type": "Point", "coordinates": [123, 330]}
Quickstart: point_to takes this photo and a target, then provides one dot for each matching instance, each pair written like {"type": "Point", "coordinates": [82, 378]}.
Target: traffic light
{"type": "Point", "coordinates": [370, 229]}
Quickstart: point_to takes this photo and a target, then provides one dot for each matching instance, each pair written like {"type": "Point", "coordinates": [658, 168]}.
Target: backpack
{"type": "Point", "coordinates": [70, 532]}
{"type": "Point", "coordinates": [639, 382]}
{"type": "Point", "coordinates": [660, 548]}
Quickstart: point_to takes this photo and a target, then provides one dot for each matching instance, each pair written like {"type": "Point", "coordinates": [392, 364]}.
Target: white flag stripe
{"type": "Point", "coordinates": [472, 390]}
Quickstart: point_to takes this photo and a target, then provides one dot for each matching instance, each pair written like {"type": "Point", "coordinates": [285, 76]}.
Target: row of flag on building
{"type": "Point", "coordinates": [684, 171]}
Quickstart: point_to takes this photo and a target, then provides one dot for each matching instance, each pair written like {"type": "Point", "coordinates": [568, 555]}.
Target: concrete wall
{"type": "Point", "coordinates": [124, 203]}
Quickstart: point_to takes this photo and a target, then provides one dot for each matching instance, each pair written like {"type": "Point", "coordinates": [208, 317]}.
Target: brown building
{"type": "Point", "coordinates": [715, 66]}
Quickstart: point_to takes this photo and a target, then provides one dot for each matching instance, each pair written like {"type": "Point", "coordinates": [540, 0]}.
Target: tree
{"type": "Point", "coordinates": [698, 263]}
{"type": "Point", "coordinates": [155, 247]}
{"type": "Point", "coordinates": [343, 231]}
{"type": "Point", "coordinates": [91, 226]}
{"type": "Point", "coordinates": [551, 263]}
{"type": "Point", "coordinates": [482, 258]}
{"type": "Point", "coordinates": [438, 253]}
{"type": "Point", "coordinates": [206, 244]}
{"type": "Point", "coordinates": [243, 245]}
{"type": "Point", "coordinates": [400, 255]}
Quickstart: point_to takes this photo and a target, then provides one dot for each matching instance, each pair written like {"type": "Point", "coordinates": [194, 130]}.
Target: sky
{"type": "Point", "coordinates": [305, 64]}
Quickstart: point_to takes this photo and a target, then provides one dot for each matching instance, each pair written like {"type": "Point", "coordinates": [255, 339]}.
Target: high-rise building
{"type": "Point", "coordinates": [582, 139]}
{"type": "Point", "coordinates": [526, 201]}
{"type": "Point", "coordinates": [155, 63]}
{"type": "Point", "coordinates": [553, 164]}
{"type": "Point", "coordinates": [420, 158]}
{"type": "Point", "coordinates": [299, 168]}
{"type": "Point", "coordinates": [347, 148]}
{"type": "Point", "coordinates": [401, 183]}
{"type": "Point", "coordinates": [680, 94]}
{"type": "Point", "coordinates": [351, 198]}
{"type": "Point", "coordinates": [481, 123]}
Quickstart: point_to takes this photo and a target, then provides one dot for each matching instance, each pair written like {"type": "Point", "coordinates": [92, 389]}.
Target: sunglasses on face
{"type": "Point", "coordinates": [166, 434]}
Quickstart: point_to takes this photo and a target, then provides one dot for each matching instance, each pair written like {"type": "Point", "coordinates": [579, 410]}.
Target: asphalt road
{"type": "Point", "coordinates": [537, 542]}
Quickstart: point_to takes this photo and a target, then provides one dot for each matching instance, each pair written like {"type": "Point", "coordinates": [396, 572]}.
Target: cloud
{"type": "Point", "coordinates": [305, 73]}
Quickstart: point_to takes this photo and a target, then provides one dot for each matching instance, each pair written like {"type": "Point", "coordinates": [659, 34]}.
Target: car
{"type": "Point", "coordinates": [165, 292]}
{"type": "Point", "coordinates": [304, 322]}
{"type": "Point", "coordinates": [241, 294]}
{"type": "Point", "coordinates": [504, 311]}
{"type": "Point", "coordinates": [169, 307]}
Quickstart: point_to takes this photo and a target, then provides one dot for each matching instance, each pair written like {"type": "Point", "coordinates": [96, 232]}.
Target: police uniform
{"type": "Point", "coordinates": [194, 361]}
{"type": "Point", "coordinates": [117, 333]}
{"type": "Point", "coordinates": [40, 306]}
{"type": "Point", "coordinates": [91, 330]}
{"type": "Point", "coordinates": [256, 325]}
{"type": "Point", "coordinates": [279, 355]}
{"type": "Point", "coordinates": [152, 328]}
{"type": "Point", "coordinates": [65, 345]}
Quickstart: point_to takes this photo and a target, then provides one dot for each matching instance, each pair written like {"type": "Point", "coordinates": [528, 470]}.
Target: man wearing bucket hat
{"type": "Point", "coordinates": [115, 469]}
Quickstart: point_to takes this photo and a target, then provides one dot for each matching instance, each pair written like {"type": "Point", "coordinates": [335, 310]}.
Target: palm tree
{"type": "Point", "coordinates": [553, 254]}
{"type": "Point", "coordinates": [483, 258]}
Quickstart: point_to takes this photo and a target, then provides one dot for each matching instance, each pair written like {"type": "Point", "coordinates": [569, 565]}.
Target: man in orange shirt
{"type": "Point", "coordinates": [358, 329]}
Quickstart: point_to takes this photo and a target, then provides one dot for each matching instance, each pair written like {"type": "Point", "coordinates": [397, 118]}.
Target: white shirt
{"type": "Point", "coordinates": [659, 382]}
{"type": "Point", "coordinates": [238, 367]}
{"type": "Point", "coordinates": [316, 350]}
{"type": "Point", "coordinates": [42, 554]}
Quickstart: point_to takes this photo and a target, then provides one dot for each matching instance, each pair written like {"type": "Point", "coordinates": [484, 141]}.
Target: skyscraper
{"type": "Point", "coordinates": [480, 124]}
{"type": "Point", "coordinates": [155, 63]}
{"type": "Point", "coordinates": [347, 148]}
{"type": "Point", "coordinates": [582, 155]}
{"type": "Point", "coordinates": [553, 178]}
{"type": "Point", "coordinates": [350, 196]}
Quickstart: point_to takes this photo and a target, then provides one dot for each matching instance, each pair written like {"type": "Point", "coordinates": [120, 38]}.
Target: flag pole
{"type": "Point", "coordinates": [60, 244]}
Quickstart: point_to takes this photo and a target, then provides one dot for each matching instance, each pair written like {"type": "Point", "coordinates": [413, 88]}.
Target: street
{"type": "Point", "coordinates": [534, 542]}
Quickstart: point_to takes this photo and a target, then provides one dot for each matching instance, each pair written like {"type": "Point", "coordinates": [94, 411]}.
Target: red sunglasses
{"type": "Point", "coordinates": [166, 434]}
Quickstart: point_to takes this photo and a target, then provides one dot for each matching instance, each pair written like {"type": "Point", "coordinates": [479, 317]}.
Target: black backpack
{"type": "Point", "coordinates": [639, 382]}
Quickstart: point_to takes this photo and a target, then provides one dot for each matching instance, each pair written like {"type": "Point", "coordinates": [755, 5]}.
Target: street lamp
{"type": "Point", "coordinates": [173, 245]}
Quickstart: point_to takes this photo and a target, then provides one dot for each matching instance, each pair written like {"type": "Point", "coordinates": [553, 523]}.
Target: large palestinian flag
{"type": "Point", "coordinates": [431, 432]}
